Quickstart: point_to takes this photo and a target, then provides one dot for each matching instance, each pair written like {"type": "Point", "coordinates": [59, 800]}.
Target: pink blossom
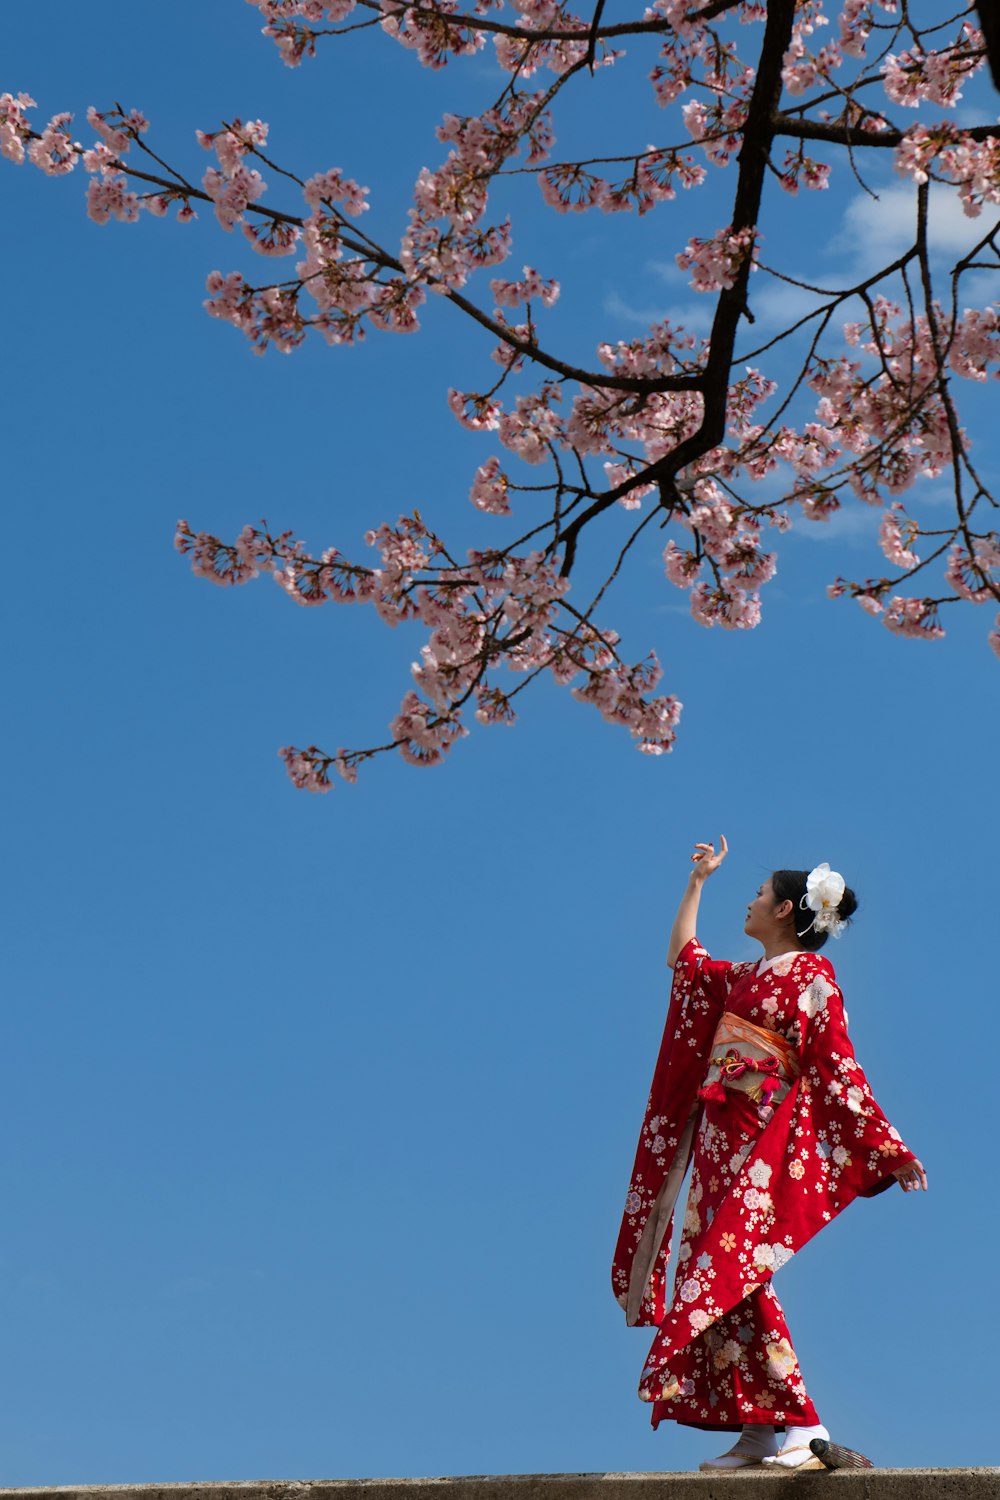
{"type": "Point", "coordinates": [346, 766]}
{"type": "Point", "coordinates": [618, 695]}
{"type": "Point", "coordinates": [803, 70]}
{"type": "Point", "coordinates": [820, 505]}
{"type": "Point", "coordinates": [424, 737]}
{"type": "Point", "coordinates": [394, 307]}
{"type": "Point", "coordinates": [716, 263]}
{"type": "Point", "coordinates": [54, 152]}
{"type": "Point", "coordinates": [333, 187]}
{"type": "Point", "coordinates": [746, 566]}
{"type": "Point", "coordinates": [682, 568]}
{"type": "Point", "coordinates": [915, 77]}
{"type": "Point", "coordinates": [975, 344]}
{"type": "Point", "coordinates": [109, 197]}
{"type": "Point", "coordinates": [974, 166]}
{"type": "Point", "coordinates": [307, 769]}
{"type": "Point", "coordinates": [572, 189]}
{"type": "Point", "coordinates": [493, 706]}
{"type": "Point", "coordinates": [428, 33]}
{"type": "Point", "coordinates": [725, 605]}
{"type": "Point", "coordinates": [855, 26]}
{"type": "Point", "coordinates": [968, 576]}
{"type": "Point", "coordinates": [490, 489]}
{"type": "Point", "coordinates": [916, 618]}
{"type": "Point", "coordinates": [232, 193]}
{"type": "Point", "coordinates": [272, 237]}
{"type": "Point", "coordinates": [116, 129]}
{"type": "Point", "coordinates": [14, 125]}
{"type": "Point", "coordinates": [891, 541]}
{"type": "Point", "coordinates": [531, 287]}
{"type": "Point", "coordinates": [230, 299]}
{"type": "Point", "coordinates": [618, 474]}
{"type": "Point", "coordinates": [801, 169]}
{"type": "Point", "coordinates": [234, 142]}
{"type": "Point", "coordinates": [212, 560]}
{"type": "Point", "coordinates": [532, 426]}
{"type": "Point", "coordinates": [477, 413]}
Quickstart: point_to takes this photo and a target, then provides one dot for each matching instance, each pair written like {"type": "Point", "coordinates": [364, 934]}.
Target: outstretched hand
{"type": "Point", "coordinates": [912, 1177]}
{"type": "Point", "coordinates": [705, 859]}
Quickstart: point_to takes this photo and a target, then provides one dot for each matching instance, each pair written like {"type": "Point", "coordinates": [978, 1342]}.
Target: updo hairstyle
{"type": "Point", "coordinates": [790, 885]}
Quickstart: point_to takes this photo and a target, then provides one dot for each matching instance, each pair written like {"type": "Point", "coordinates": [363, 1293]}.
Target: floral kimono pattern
{"type": "Point", "coordinates": [768, 1169]}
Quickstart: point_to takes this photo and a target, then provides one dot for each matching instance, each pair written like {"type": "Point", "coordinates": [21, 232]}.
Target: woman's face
{"type": "Point", "coordinates": [761, 921]}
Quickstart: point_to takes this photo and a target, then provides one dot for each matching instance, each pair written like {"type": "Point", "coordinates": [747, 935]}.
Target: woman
{"type": "Point", "coordinates": [756, 1084]}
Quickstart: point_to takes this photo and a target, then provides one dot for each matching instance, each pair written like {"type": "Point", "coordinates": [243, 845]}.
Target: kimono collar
{"type": "Point", "coordinates": [768, 963]}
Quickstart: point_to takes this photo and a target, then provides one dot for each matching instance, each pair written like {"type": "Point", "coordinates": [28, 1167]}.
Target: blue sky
{"type": "Point", "coordinates": [318, 1113]}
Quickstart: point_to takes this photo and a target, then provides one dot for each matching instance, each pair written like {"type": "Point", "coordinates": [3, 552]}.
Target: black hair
{"type": "Point", "coordinates": [790, 885]}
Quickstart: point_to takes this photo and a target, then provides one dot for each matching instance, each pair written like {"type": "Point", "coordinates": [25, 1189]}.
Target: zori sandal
{"type": "Point", "coordinates": [735, 1458]}
{"type": "Point", "coordinates": [799, 1457]}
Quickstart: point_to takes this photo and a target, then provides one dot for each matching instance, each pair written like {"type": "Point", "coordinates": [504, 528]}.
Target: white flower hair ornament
{"type": "Point", "coordinates": [824, 892]}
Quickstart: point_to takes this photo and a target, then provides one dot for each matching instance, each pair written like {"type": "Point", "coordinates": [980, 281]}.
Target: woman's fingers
{"type": "Point", "coordinates": [912, 1177]}
{"type": "Point", "coordinates": [706, 860]}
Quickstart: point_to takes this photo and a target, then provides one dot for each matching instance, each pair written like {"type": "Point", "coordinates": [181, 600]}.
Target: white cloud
{"type": "Point", "coordinates": [775, 304]}
{"type": "Point", "coordinates": [883, 227]}
{"type": "Point", "coordinates": [668, 271]}
{"type": "Point", "coordinates": [690, 315]}
{"type": "Point", "coordinates": [854, 522]}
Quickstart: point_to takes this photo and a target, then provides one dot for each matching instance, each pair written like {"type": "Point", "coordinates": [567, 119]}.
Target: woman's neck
{"type": "Point", "coordinates": [775, 947]}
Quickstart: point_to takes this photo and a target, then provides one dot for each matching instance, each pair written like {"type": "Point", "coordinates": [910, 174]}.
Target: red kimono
{"type": "Point", "coordinates": [756, 1080]}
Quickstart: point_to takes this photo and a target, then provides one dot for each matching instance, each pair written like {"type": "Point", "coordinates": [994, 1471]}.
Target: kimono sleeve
{"type": "Point", "coordinates": [855, 1143]}
{"type": "Point", "coordinates": [698, 997]}
{"type": "Point", "coordinates": [710, 977]}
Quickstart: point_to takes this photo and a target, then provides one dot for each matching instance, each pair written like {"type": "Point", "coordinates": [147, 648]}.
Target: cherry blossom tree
{"type": "Point", "coordinates": [715, 439]}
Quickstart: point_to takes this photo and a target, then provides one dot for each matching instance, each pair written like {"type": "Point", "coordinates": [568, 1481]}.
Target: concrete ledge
{"type": "Point", "coordinates": [868, 1484]}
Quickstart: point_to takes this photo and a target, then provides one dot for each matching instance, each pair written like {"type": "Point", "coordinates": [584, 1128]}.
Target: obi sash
{"type": "Point", "coordinates": [758, 1062]}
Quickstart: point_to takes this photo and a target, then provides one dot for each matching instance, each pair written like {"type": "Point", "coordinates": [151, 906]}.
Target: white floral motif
{"type": "Point", "coordinates": [771, 1257]}
{"type": "Point", "coordinates": [760, 1174]}
{"type": "Point", "coordinates": [736, 1162]}
{"type": "Point", "coordinates": [812, 1001]}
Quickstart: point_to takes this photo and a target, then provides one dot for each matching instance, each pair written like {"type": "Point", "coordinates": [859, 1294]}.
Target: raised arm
{"type": "Point", "coordinates": [705, 862]}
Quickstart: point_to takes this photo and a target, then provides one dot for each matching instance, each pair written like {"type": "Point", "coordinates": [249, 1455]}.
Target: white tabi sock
{"type": "Point", "coordinates": [756, 1440]}
{"type": "Point", "coordinates": [795, 1440]}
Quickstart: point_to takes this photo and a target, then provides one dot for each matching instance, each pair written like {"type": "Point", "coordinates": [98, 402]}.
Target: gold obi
{"type": "Point", "coordinates": [749, 1058]}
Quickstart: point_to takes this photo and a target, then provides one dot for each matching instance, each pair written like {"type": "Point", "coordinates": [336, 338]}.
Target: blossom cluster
{"type": "Point", "coordinates": [497, 608]}
{"type": "Point", "coordinates": [873, 413]}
